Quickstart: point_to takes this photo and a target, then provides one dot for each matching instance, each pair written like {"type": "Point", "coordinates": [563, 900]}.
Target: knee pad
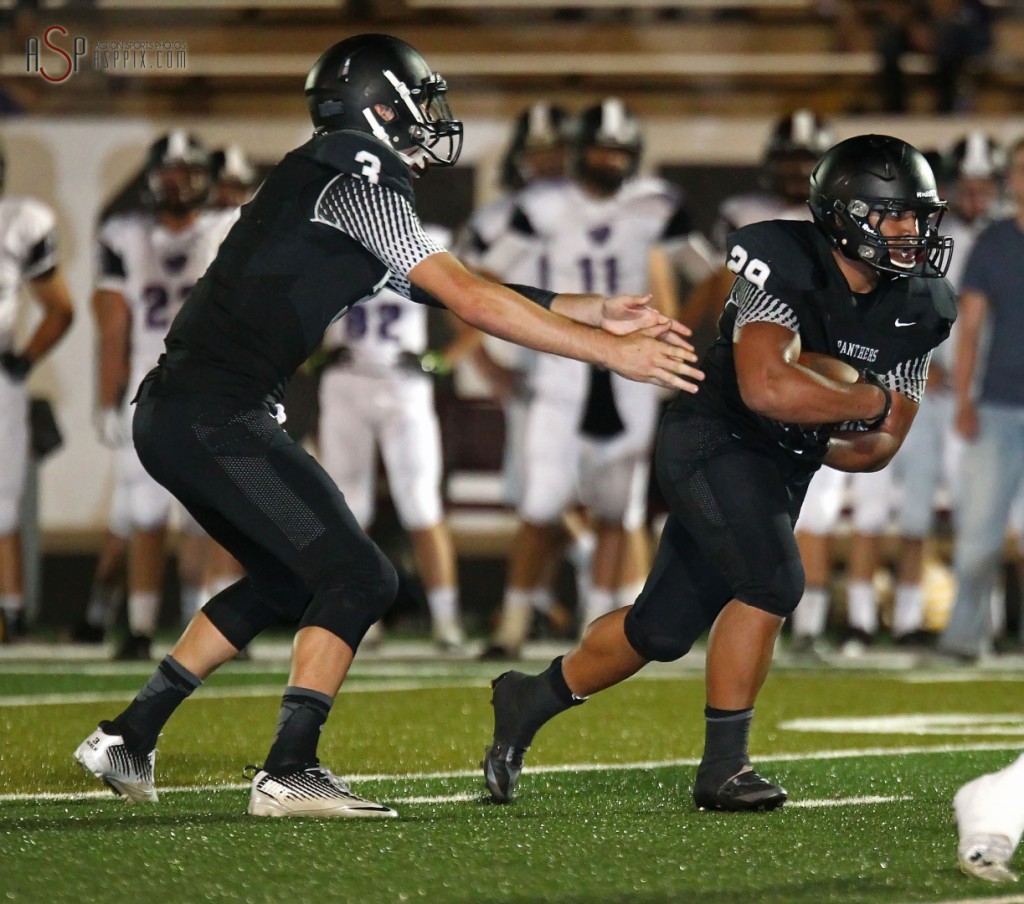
{"type": "Point", "coordinates": [653, 644]}
{"type": "Point", "coordinates": [241, 612]}
{"type": "Point", "coordinates": [783, 592]}
{"type": "Point", "coordinates": [353, 594]}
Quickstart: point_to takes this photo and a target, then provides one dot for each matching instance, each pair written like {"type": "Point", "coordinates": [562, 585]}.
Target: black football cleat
{"type": "Point", "coordinates": [502, 764]}
{"type": "Point", "coordinates": [503, 760]}
{"type": "Point", "coordinates": [747, 791]}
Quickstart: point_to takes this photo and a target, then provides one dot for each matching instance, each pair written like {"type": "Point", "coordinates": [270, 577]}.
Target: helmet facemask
{"type": "Point", "coordinates": [420, 123]}
{"type": "Point", "coordinates": [857, 232]}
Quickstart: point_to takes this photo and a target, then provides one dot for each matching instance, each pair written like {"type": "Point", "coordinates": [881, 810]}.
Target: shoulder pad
{"type": "Point", "coordinates": [34, 218]}
{"type": "Point", "coordinates": [362, 156]}
{"type": "Point", "coordinates": [784, 255]}
{"type": "Point", "coordinates": [118, 229]}
{"type": "Point", "coordinates": [939, 296]}
{"type": "Point", "coordinates": [652, 187]}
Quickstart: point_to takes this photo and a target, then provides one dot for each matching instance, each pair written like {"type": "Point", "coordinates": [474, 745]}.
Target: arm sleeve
{"type": "Point", "coordinates": [381, 220]}
{"type": "Point", "coordinates": [755, 304]}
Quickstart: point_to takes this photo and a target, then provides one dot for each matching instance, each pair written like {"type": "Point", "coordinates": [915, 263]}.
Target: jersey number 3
{"type": "Point", "coordinates": [371, 166]}
{"type": "Point", "coordinates": [751, 269]}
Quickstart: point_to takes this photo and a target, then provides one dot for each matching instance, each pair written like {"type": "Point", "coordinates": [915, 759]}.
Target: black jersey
{"type": "Point", "coordinates": [333, 223]}
{"type": "Point", "coordinates": [786, 274]}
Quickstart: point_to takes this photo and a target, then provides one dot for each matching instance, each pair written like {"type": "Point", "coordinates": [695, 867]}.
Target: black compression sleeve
{"type": "Point", "coordinates": [539, 296]}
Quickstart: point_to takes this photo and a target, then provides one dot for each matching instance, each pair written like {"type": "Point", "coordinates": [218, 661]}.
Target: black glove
{"type": "Point", "coordinates": [869, 376]}
{"type": "Point", "coordinates": [810, 443]}
{"type": "Point", "coordinates": [17, 366]}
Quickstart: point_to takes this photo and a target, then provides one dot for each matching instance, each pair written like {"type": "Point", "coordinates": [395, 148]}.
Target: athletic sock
{"type": "Point", "coordinates": [143, 610]}
{"type": "Point", "coordinates": [302, 717]}
{"type": "Point", "coordinates": [535, 700]}
{"type": "Point", "coordinates": [862, 606]}
{"type": "Point", "coordinates": [100, 610]}
{"type": "Point", "coordinates": [515, 620]}
{"type": "Point", "coordinates": [192, 598]}
{"type": "Point", "coordinates": [726, 733]}
{"type": "Point", "coordinates": [908, 613]}
{"type": "Point", "coordinates": [141, 723]}
{"type": "Point", "coordinates": [443, 603]}
{"type": "Point", "coordinates": [810, 617]}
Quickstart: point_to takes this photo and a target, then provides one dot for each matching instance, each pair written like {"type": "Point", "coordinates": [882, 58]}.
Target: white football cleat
{"type": "Point", "coordinates": [990, 821]}
{"type": "Point", "coordinates": [313, 792]}
{"type": "Point", "coordinates": [125, 773]}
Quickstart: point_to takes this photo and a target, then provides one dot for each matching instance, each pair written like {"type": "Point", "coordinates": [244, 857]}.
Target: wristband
{"type": "Point", "coordinates": [869, 376]}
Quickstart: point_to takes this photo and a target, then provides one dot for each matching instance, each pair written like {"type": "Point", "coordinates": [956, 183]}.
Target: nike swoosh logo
{"type": "Point", "coordinates": [908, 323]}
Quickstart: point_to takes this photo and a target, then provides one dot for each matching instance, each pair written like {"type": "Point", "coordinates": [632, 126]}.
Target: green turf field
{"type": "Point", "coordinates": [871, 761]}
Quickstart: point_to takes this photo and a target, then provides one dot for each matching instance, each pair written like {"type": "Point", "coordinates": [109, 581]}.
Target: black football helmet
{"type": "Point", "coordinates": [541, 131]}
{"type": "Point", "coordinates": [609, 124]}
{"type": "Point", "coordinates": [796, 143]}
{"type": "Point", "coordinates": [177, 173]}
{"type": "Point", "coordinates": [859, 182]}
{"type": "Point", "coordinates": [380, 85]}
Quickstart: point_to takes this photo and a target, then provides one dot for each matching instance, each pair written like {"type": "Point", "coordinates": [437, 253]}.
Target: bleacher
{"type": "Point", "coordinates": [687, 56]}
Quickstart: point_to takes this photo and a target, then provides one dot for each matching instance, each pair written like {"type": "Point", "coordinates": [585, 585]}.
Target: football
{"type": "Point", "coordinates": [829, 367]}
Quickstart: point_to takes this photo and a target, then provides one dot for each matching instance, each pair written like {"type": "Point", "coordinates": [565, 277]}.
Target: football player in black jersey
{"type": "Point", "coordinates": [862, 286]}
{"type": "Point", "coordinates": [331, 225]}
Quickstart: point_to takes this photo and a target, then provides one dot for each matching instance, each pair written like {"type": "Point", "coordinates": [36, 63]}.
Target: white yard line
{"type": "Point", "coordinates": [569, 767]}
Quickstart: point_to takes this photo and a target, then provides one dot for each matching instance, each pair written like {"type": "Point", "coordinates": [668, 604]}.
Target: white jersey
{"type": "Point", "coordinates": [594, 245]}
{"type": "Point", "coordinates": [154, 269]}
{"type": "Point", "coordinates": [488, 244]}
{"type": "Point", "coordinates": [28, 249]}
{"type": "Point", "coordinates": [376, 331]}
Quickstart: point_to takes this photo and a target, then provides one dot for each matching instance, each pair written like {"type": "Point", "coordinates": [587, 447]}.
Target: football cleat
{"type": "Point", "coordinates": [502, 764]}
{"type": "Point", "coordinates": [986, 857]}
{"type": "Point", "coordinates": [503, 760]}
{"type": "Point", "coordinates": [745, 791]}
{"type": "Point", "coordinates": [126, 773]}
{"type": "Point", "coordinates": [313, 792]}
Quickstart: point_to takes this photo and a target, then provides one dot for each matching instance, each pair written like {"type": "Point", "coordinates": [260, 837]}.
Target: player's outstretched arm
{"type": "Point", "coordinates": [640, 355]}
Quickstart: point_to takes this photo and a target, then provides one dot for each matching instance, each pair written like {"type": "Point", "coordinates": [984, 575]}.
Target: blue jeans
{"type": "Point", "coordinates": [992, 469]}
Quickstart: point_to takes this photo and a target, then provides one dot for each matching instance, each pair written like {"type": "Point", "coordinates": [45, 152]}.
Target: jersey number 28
{"type": "Point", "coordinates": [751, 269]}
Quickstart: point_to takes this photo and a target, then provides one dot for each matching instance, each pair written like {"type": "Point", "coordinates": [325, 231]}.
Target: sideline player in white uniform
{"type": "Point", "coordinates": [376, 391]}
{"type": "Point", "coordinates": [538, 151]}
{"type": "Point", "coordinates": [931, 454]}
{"type": "Point", "coordinates": [589, 433]}
{"type": "Point", "coordinates": [148, 263]}
{"type": "Point", "coordinates": [28, 257]}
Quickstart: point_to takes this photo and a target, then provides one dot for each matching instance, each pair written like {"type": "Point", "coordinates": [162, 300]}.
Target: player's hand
{"type": "Point", "coordinates": [624, 314]}
{"type": "Point", "coordinates": [112, 428]}
{"type": "Point", "coordinates": [643, 356]}
{"type": "Point", "coordinates": [430, 362]}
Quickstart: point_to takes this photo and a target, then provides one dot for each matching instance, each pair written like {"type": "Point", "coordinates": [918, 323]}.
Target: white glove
{"type": "Point", "coordinates": [112, 427]}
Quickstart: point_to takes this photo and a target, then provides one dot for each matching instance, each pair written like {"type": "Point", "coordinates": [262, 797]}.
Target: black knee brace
{"type": "Point", "coordinates": [240, 612]}
{"type": "Point", "coordinates": [664, 640]}
{"type": "Point", "coordinates": [782, 595]}
{"type": "Point", "coordinates": [352, 595]}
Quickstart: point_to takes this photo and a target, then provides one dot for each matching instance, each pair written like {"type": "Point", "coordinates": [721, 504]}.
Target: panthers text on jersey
{"type": "Point", "coordinates": [786, 274]}
{"type": "Point", "coordinates": [28, 250]}
{"type": "Point", "coordinates": [333, 223]}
